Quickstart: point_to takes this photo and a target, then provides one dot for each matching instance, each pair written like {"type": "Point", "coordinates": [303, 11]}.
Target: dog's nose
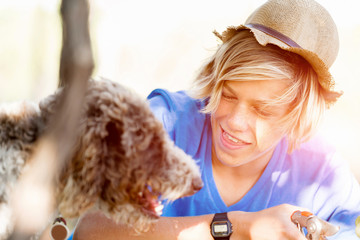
{"type": "Point", "coordinates": [197, 184]}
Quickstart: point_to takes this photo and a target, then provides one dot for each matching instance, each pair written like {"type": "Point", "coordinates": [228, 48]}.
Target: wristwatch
{"type": "Point", "coordinates": [221, 227]}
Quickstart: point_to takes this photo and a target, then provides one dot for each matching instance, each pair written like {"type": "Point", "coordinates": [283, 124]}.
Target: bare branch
{"type": "Point", "coordinates": [33, 200]}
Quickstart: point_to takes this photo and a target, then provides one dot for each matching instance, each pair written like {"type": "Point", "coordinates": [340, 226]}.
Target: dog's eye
{"type": "Point", "coordinates": [12, 138]}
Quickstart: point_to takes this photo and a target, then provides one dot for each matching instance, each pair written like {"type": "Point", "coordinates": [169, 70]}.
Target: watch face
{"type": "Point", "coordinates": [220, 229]}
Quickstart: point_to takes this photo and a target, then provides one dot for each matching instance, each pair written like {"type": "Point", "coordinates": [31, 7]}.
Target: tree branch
{"type": "Point", "coordinates": [34, 201]}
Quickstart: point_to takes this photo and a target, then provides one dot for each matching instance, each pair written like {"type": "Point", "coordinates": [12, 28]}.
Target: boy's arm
{"type": "Point", "coordinates": [274, 222]}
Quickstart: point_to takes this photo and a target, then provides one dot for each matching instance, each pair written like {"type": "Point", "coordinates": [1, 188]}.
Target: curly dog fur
{"type": "Point", "coordinates": [123, 161]}
{"type": "Point", "coordinates": [19, 129]}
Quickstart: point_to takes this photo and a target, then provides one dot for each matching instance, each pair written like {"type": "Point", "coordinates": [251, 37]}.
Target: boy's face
{"type": "Point", "coordinates": [244, 127]}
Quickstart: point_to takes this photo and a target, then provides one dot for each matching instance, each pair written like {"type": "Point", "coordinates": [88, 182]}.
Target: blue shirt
{"type": "Point", "coordinates": [314, 176]}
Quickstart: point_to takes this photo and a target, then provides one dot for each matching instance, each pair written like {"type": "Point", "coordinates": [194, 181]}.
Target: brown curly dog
{"type": "Point", "coordinates": [123, 164]}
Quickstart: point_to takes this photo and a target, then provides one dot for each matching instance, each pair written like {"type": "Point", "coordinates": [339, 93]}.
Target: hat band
{"type": "Point", "coordinates": [274, 34]}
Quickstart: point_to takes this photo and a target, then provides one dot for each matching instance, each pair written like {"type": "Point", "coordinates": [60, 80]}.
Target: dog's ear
{"type": "Point", "coordinates": [113, 166]}
{"type": "Point", "coordinates": [96, 158]}
{"type": "Point", "coordinates": [80, 182]}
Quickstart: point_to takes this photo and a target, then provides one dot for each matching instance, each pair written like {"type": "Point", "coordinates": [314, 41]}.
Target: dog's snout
{"type": "Point", "coordinates": [197, 184]}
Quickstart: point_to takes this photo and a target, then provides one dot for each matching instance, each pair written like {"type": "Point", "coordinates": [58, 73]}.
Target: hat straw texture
{"type": "Point", "coordinates": [300, 26]}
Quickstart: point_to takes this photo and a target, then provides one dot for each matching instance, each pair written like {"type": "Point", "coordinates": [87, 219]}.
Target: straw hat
{"type": "Point", "coordinates": [300, 26]}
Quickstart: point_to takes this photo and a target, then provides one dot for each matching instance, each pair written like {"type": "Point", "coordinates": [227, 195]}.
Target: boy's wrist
{"type": "Point", "coordinates": [240, 224]}
{"type": "Point", "coordinates": [221, 227]}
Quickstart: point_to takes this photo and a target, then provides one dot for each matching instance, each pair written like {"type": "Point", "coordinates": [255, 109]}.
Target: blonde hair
{"type": "Point", "coordinates": [242, 58]}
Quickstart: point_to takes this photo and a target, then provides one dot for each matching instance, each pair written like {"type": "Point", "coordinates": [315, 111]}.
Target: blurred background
{"type": "Point", "coordinates": [161, 43]}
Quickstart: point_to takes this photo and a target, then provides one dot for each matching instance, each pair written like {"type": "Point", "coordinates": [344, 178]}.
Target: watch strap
{"type": "Point", "coordinates": [220, 216]}
{"type": "Point", "coordinates": [222, 238]}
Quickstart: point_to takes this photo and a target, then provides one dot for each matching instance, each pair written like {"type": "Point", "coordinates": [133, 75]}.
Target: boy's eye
{"type": "Point", "coordinates": [263, 112]}
{"type": "Point", "coordinates": [227, 96]}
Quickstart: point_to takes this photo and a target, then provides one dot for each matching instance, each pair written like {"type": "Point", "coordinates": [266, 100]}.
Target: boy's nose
{"type": "Point", "coordinates": [239, 119]}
